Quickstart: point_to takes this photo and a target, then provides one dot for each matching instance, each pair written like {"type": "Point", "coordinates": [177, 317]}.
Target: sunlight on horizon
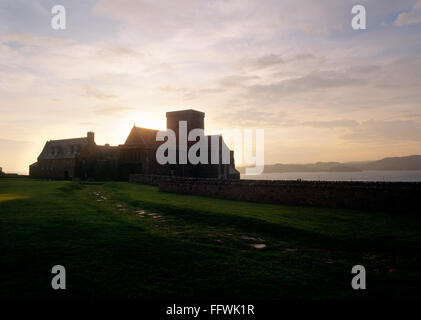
{"type": "Point", "coordinates": [143, 119]}
{"type": "Point", "coordinates": [320, 90]}
{"type": "Point", "coordinates": [121, 128]}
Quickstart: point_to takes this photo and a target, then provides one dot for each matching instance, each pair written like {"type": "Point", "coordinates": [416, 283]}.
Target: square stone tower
{"type": "Point", "coordinates": [195, 120]}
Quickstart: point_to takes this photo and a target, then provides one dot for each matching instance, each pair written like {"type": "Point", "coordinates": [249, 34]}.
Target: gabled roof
{"type": "Point", "coordinates": [142, 136]}
{"type": "Point", "coordinates": [62, 149]}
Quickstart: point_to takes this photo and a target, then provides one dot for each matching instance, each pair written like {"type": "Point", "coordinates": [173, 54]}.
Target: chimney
{"type": "Point", "coordinates": [91, 137]}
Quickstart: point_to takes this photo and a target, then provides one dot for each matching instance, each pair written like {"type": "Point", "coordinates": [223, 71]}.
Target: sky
{"type": "Point", "coordinates": [321, 90]}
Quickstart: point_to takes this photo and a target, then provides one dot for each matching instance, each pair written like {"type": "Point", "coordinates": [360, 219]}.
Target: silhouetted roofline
{"type": "Point", "coordinates": [140, 135]}
{"type": "Point", "coordinates": [143, 128]}
{"type": "Point", "coordinates": [62, 149]}
{"type": "Point", "coordinates": [187, 111]}
{"type": "Point", "coordinates": [69, 140]}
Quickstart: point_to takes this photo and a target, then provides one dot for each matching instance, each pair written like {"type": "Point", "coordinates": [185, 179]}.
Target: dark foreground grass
{"type": "Point", "coordinates": [121, 240]}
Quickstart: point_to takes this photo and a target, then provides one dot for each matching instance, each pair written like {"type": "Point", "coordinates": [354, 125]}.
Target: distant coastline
{"type": "Point", "coordinates": [407, 163]}
{"type": "Point", "coordinates": [350, 176]}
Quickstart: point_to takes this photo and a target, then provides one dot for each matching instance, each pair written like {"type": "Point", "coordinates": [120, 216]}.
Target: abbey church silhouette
{"type": "Point", "coordinates": [82, 158]}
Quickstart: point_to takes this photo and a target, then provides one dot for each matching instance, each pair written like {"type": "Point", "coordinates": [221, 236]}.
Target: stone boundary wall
{"type": "Point", "coordinates": [150, 179]}
{"type": "Point", "coordinates": [390, 196]}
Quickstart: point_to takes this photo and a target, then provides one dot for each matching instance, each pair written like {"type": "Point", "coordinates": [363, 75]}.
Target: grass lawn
{"type": "Point", "coordinates": [121, 240]}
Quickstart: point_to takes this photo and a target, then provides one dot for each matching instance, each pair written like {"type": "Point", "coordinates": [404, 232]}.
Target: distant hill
{"type": "Point", "coordinates": [393, 163]}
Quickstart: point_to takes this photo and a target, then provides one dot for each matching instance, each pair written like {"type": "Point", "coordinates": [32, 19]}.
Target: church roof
{"type": "Point", "coordinates": [142, 136]}
{"type": "Point", "coordinates": [62, 149]}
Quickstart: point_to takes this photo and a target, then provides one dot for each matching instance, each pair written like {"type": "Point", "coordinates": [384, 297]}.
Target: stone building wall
{"type": "Point", "coordinates": [53, 169]}
{"type": "Point", "coordinates": [393, 196]}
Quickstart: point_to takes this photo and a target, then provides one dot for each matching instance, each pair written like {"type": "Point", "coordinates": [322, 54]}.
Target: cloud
{"type": "Point", "coordinates": [11, 142]}
{"type": "Point", "coordinates": [119, 52]}
{"type": "Point", "coordinates": [411, 17]}
{"type": "Point", "coordinates": [237, 80]}
{"type": "Point", "coordinates": [34, 41]}
{"type": "Point", "coordinates": [93, 92]}
{"type": "Point", "coordinates": [273, 60]}
{"type": "Point", "coordinates": [268, 61]}
{"type": "Point", "coordinates": [309, 29]}
{"type": "Point", "coordinates": [191, 93]}
{"type": "Point", "coordinates": [151, 18]}
{"type": "Point", "coordinates": [377, 130]}
{"type": "Point", "coordinates": [87, 123]}
{"type": "Point", "coordinates": [330, 123]}
{"type": "Point", "coordinates": [252, 118]}
{"type": "Point", "coordinates": [240, 60]}
{"type": "Point", "coordinates": [313, 81]}
{"type": "Point", "coordinates": [115, 111]}
{"type": "Point", "coordinates": [413, 115]}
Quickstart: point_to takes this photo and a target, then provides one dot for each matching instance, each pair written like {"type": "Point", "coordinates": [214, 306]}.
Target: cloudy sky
{"type": "Point", "coordinates": [296, 68]}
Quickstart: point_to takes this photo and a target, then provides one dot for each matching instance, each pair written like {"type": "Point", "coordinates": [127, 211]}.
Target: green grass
{"type": "Point", "coordinates": [195, 247]}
